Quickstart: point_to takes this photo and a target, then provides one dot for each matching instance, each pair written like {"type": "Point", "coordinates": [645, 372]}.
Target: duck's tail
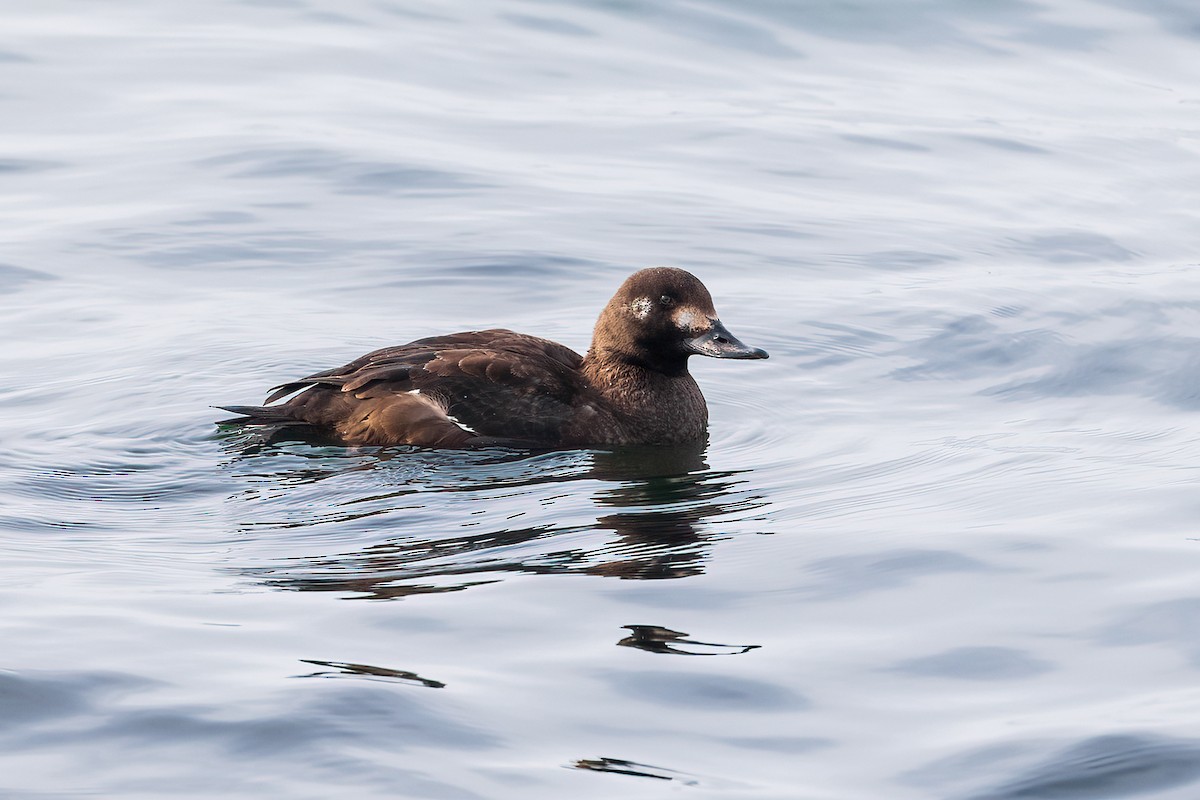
{"type": "Point", "coordinates": [275, 423]}
{"type": "Point", "coordinates": [258, 415]}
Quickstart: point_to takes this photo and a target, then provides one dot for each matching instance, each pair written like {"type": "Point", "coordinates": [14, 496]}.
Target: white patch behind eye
{"type": "Point", "coordinates": [641, 307]}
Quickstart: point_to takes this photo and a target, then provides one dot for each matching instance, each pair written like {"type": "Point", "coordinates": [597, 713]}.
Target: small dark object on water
{"type": "Point", "coordinates": [497, 387]}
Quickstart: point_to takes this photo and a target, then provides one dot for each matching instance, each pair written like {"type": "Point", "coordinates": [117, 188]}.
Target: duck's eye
{"type": "Point", "coordinates": [667, 300]}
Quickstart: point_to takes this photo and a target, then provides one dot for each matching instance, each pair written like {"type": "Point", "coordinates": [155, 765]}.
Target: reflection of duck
{"type": "Point", "coordinates": [661, 538]}
{"type": "Point", "coordinates": [620, 766]}
{"type": "Point", "coordinates": [660, 499]}
{"type": "Point", "coordinates": [656, 639]}
{"type": "Point", "coordinates": [339, 669]}
{"type": "Point", "coordinates": [495, 386]}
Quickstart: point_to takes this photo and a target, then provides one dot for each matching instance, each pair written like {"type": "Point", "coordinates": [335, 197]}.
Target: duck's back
{"type": "Point", "coordinates": [443, 391]}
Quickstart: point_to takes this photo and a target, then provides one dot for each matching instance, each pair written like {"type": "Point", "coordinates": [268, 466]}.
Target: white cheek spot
{"type": "Point", "coordinates": [641, 307]}
{"type": "Point", "coordinates": [689, 319]}
{"type": "Point", "coordinates": [413, 391]}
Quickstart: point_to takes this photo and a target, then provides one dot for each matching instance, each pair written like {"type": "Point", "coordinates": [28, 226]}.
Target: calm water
{"type": "Point", "coordinates": [944, 544]}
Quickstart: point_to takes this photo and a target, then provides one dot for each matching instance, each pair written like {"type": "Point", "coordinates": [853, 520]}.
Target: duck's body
{"type": "Point", "coordinates": [496, 386]}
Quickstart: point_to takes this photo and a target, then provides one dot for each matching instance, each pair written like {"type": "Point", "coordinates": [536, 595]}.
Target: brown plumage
{"type": "Point", "coordinates": [499, 387]}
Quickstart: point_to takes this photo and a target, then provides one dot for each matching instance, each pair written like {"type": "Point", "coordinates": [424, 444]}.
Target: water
{"type": "Point", "coordinates": [942, 544]}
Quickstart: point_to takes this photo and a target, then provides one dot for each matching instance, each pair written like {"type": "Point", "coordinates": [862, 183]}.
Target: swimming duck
{"type": "Point", "coordinates": [497, 387]}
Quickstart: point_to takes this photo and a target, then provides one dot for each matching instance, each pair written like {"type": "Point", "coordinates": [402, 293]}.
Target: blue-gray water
{"type": "Point", "coordinates": [942, 545]}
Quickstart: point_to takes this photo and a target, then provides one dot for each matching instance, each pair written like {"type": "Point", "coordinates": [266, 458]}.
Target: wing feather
{"type": "Point", "coordinates": [495, 382]}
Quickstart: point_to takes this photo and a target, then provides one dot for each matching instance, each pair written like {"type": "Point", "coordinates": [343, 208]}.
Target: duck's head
{"type": "Point", "coordinates": [662, 316]}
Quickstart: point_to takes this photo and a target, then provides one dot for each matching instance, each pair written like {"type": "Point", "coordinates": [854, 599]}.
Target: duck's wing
{"type": "Point", "coordinates": [445, 391]}
{"type": "Point", "coordinates": [389, 363]}
{"type": "Point", "coordinates": [492, 354]}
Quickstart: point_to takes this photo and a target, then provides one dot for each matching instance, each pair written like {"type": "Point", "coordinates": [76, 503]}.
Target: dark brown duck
{"type": "Point", "coordinates": [499, 387]}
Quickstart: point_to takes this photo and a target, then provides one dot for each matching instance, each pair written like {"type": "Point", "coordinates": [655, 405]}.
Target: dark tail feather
{"type": "Point", "coordinates": [284, 389]}
{"type": "Point", "coordinates": [260, 415]}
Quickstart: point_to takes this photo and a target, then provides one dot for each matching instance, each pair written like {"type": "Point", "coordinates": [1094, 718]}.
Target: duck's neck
{"type": "Point", "coordinates": [655, 406]}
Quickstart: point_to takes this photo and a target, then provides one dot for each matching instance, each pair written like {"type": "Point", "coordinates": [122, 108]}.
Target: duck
{"type": "Point", "coordinates": [497, 387]}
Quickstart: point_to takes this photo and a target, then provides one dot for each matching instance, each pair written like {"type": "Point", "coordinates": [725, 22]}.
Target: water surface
{"type": "Point", "coordinates": [942, 544]}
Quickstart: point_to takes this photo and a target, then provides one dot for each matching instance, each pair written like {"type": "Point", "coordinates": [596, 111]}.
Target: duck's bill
{"type": "Point", "coordinates": [717, 342]}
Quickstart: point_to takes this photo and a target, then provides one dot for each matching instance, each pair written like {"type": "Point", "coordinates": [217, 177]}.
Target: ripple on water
{"type": "Point", "coordinates": [110, 482]}
{"type": "Point", "coordinates": [412, 522]}
{"type": "Point", "coordinates": [13, 278]}
{"type": "Point", "coordinates": [1112, 766]}
{"type": "Point", "coordinates": [976, 664]}
{"type": "Point", "coordinates": [345, 174]}
{"type": "Point", "coordinates": [328, 735]}
{"type": "Point", "coordinates": [976, 347]}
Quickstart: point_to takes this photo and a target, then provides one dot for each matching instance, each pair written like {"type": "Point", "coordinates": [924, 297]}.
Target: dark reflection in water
{"type": "Point", "coordinates": [655, 639]}
{"type": "Point", "coordinates": [623, 767]}
{"type": "Point", "coordinates": [342, 669]}
{"type": "Point", "coordinates": [661, 499]}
